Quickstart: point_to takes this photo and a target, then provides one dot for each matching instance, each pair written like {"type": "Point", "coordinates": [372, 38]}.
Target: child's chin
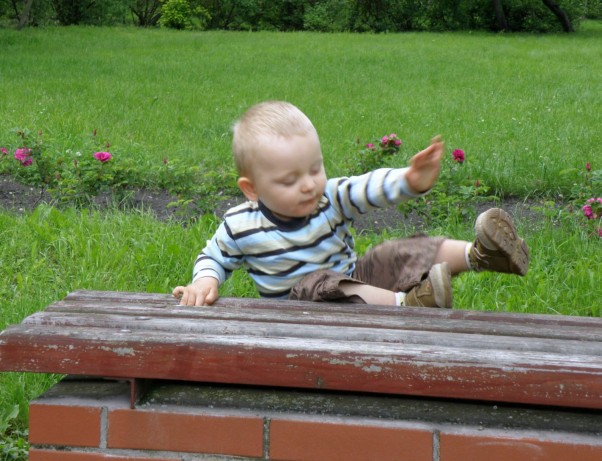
{"type": "Point", "coordinates": [299, 215]}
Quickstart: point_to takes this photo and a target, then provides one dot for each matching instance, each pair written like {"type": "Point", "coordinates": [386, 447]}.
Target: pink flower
{"type": "Point", "coordinates": [458, 155]}
{"type": "Point", "coordinates": [103, 156]}
{"type": "Point", "coordinates": [588, 212]}
{"type": "Point", "coordinates": [4, 150]}
{"type": "Point", "coordinates": [369, 146]}
{"type": "Point", "coordinates": [588, 166]}
{"type": "Point", "coordinates": [592, 208]}
{"type": "Point", "coordinates": [390, 141]}
{"type": "Point", "coordinates": [23, 155]}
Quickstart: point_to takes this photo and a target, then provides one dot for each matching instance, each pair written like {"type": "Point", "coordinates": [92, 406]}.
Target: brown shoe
{"type": "Point", "coordinates": [497, 246]}
{"type": "Point", "coordinates": [434, 291]}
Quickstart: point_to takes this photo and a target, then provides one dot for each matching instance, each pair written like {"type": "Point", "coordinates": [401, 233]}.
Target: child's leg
{"type": "Point", "coordinates": [407, 269]}
{"type": "Point", "coordinates": [454, 253]}
{"type": "Point", "coordinates": [370, 294]}
{"type": "Point", "coordinates": [497, 247]}
{"type": "Point", "coordinates": [325, 285]}
{"type": "Point", "coordinates": [434, 291]}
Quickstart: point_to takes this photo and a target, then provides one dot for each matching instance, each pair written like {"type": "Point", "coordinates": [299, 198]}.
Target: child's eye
{"type": "Point", "coordinates": [316, 169]}
{"type": "Point", "coordinates": [288, 181]}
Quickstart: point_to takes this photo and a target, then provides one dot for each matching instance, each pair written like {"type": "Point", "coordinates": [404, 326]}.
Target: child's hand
{"type": "Point", "coordinates": [425, 166]}
{"type": "Point", "coordinates": [202, 292]}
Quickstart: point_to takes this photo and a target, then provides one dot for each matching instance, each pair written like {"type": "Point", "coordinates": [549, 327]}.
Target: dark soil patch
{"type": "Point", "coordinates": [20, 198]}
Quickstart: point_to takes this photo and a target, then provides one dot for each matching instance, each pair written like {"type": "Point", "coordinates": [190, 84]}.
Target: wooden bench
{"type": "Point", "coordinates": [491, 357]}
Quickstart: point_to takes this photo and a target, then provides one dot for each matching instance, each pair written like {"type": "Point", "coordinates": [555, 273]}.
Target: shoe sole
{"type": "Point", "coordinates": [495, 229]}
{"type": "Point", "coordinates": [440, 277]}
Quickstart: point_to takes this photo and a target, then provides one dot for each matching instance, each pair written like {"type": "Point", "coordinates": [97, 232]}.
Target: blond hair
{"type": "Point", "coordinates": [270, 118]}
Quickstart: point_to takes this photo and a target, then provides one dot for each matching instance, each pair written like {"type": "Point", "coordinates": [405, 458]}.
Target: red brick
{"type": "Point", "coordinates": [77, 426]}
{"type": "Point", "coordinates": [174, 431]}
{"type": "Point", "coordinates": [518, 447]}
{"type": "Point", "coordinates": [349, 441]}
{"type": "Point", "coordinates": [52, 455]}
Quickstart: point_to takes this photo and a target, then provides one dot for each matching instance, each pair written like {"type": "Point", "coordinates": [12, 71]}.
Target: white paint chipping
{"type": "Point", "coordinates": [120, 351]}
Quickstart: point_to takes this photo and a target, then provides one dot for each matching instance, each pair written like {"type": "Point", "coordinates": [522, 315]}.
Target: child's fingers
{"type": "Point", "coordinates": [427, 155]}
{"type": "Point", "coordinates": [211, 298]}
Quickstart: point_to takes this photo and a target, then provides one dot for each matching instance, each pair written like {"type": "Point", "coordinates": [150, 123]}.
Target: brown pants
{"type": "Point", "coordinates": [396, 265]}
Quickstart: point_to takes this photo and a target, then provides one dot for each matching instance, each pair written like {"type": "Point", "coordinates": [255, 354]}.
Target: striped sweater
{"type": "Point", "coordinates": [277, 254]}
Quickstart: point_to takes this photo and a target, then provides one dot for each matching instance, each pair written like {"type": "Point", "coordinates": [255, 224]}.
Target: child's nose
{"type": "Point", "coordinates": [308, 183]}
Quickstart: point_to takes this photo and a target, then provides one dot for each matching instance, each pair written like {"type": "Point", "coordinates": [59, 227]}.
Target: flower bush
{"type": "Point", "coordinates": [67, 176]}
{"type": "Point", "coordinates": [375, 154]}
{"type": "Point", "coordinates": [588, 183]}
{"type": "Point", "coordinates": [76, 176]}
{"type": "Point", "coordinates": [592, 210]}
{"type": "Point", "coordinates": [583, 199]}
{"type": "Point", "coordinates": [451, 193]}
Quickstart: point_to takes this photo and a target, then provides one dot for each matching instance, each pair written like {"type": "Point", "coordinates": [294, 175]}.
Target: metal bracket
{"type": "Point", "coordinates": [138, 388]}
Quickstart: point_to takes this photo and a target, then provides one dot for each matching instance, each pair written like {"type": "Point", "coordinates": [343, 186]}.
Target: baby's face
{"type": "Point", "coordinates": [288, 175]}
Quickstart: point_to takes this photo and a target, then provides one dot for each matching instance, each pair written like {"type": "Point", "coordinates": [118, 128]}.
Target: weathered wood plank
{"type": "Point", "coordinates": [167, 301]}
{"type": "Point", "coordinates": [423, 370]}
{"type": "Point", "coordinates": [278, 329]}
{"type": "Point", "coordinates": [400, 320]}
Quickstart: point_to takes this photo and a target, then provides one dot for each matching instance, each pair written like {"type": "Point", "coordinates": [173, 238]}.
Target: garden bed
{"type": "Point", "coordinates": [18, 197]}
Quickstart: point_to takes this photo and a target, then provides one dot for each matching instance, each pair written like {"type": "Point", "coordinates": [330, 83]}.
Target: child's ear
{"type": "Point", "coordinates": [248, 188]}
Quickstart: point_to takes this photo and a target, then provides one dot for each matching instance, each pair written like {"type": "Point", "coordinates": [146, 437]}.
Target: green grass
{"type": "Point", "coordinates": [525, 108]}
{"type": "Point", "coordinates": [49, 253]}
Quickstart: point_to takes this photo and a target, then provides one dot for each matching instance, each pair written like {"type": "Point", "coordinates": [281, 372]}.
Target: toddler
{"type": "Point", "coordinates": [293, 235]}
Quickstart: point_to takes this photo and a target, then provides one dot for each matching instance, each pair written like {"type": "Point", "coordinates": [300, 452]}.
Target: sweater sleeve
{"type": "Point", "coordinates": [380, 188]}
{"type": "Point", "coordinates": [219, 258]}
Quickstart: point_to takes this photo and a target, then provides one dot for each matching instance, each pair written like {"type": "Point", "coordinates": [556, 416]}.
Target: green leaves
{"type": "Point", "coordinates": [13, 442]}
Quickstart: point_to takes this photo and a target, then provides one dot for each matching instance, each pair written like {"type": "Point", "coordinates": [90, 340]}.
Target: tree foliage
{"type": "Point", "coordinates": [145, 12]}
{"type": "Point", "coordinates": [316, 15]}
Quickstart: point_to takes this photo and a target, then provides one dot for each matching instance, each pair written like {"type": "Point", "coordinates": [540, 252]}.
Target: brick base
{"type": "Point", "coordinates": [90, 420]}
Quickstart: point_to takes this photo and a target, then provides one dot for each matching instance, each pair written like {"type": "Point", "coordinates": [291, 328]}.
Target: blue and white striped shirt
{"type": "Point", "coordinates": [277, 254]}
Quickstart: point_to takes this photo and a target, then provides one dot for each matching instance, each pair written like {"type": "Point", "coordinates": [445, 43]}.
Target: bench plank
{"type": "Point", "coordinates": [406, 319]}
{"type": "Point", "coordinates": [147, 322]}
{"type": "Point", "coordinates": [107, 298]}
{"type": "Point", "coordinates": [531, 359]}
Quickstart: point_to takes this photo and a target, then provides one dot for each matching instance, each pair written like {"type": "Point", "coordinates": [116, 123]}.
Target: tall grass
{"type": "Point", "coordinates": [49, 253]}
{"type": "Point", "coordinates": [523, 107]}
